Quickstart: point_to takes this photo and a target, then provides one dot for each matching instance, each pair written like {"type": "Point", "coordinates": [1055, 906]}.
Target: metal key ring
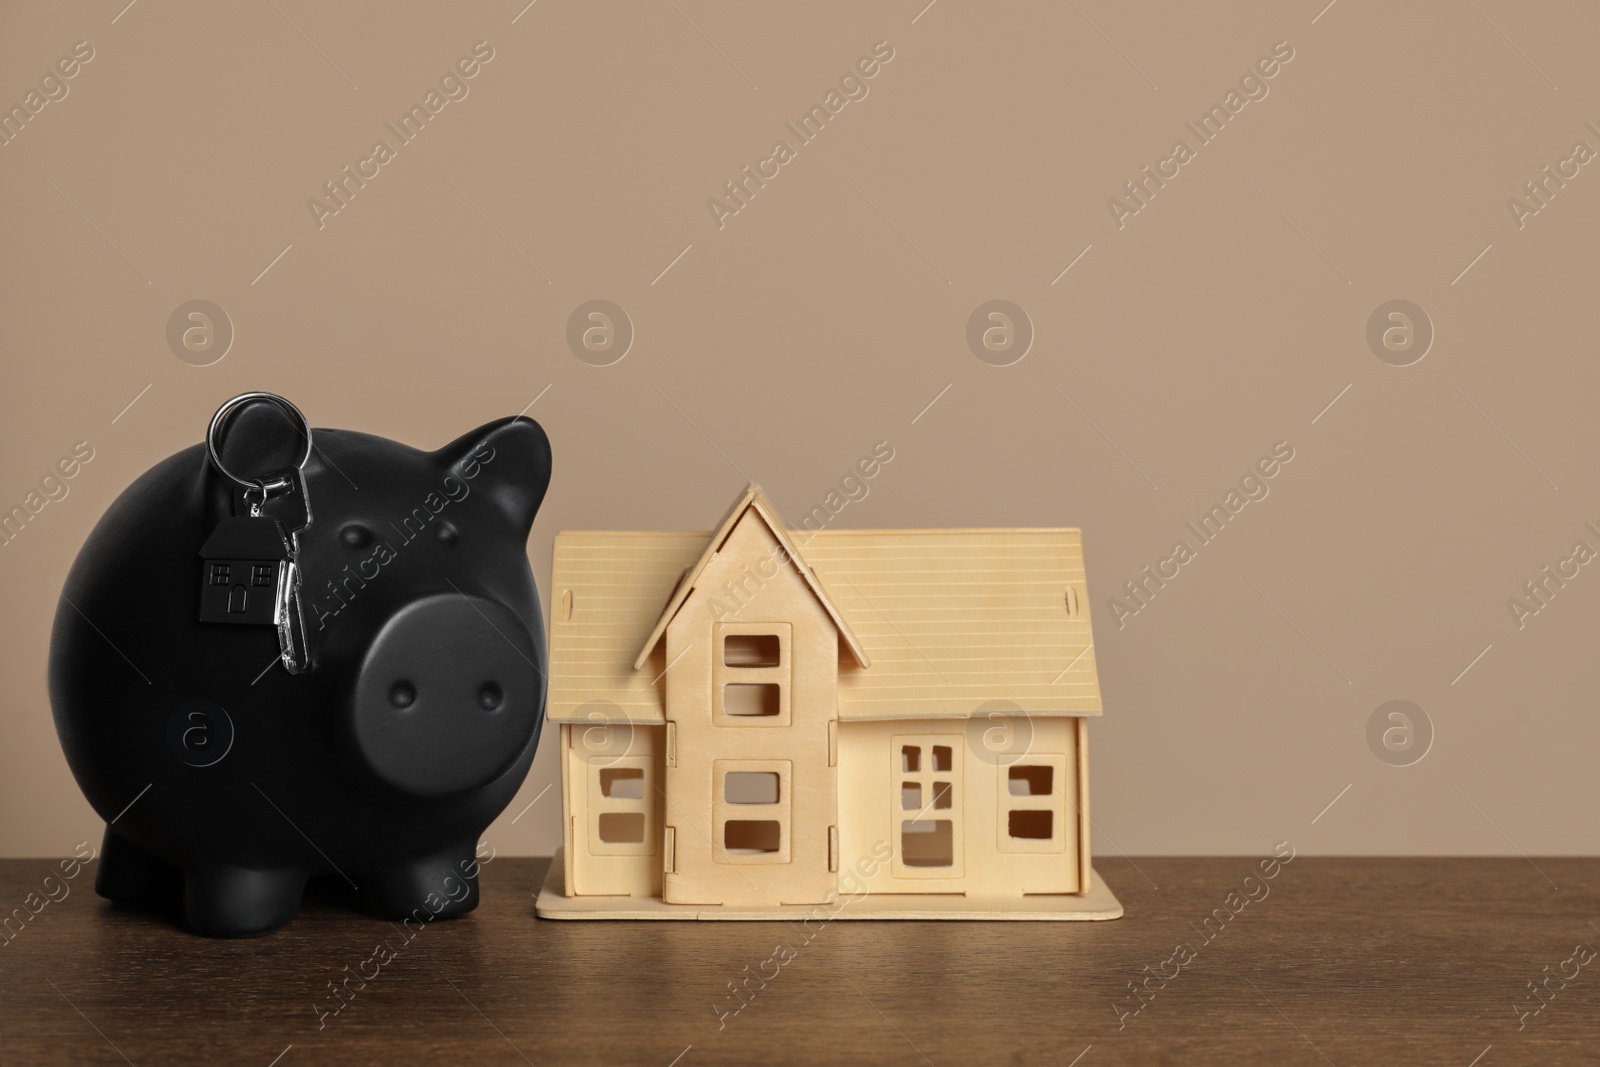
{"type": "Point", "coordinates": [222, 414]}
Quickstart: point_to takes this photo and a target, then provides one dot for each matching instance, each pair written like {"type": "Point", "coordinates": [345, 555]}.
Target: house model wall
{"type": "Point", "coordinates": [757, 721]}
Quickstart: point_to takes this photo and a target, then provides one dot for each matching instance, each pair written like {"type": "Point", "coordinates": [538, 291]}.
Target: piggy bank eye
{"type": "Point", "coordinates": [355, 535]}
{"type": "Point", "coordinates": [446, 533]}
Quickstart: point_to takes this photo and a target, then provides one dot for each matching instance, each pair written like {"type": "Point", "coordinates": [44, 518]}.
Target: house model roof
{"type": "Point", "coordinates": [756, 503]}
{"type": "Point", "coordinates": [241, 537]}
{"type": "Point", "coordinates": [932, 623]}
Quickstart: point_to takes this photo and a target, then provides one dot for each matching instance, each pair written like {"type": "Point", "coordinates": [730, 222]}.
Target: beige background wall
{"type": "Point", "coordinates": [1223, 317]}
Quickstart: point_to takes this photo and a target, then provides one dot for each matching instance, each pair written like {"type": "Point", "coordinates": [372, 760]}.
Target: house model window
{"type": "Point", "coordinates": [926, 814]}
{"type": "Point", "coordinates": [752, 811]}
{"type": "Point", "coordinates": [1032, 804]}
{"type": "Point", "coordinates": [750, 714]}
{"type": "Point", "coordinates": [752, 674]}
{"type": "Point", "coordinates": [751, 650]}
{"type": "Point", "coordinates": [624, 811]}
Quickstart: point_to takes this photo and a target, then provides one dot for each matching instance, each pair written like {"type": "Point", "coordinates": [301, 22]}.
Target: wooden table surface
{"type": "Point", "coordinates": [1343, 961]}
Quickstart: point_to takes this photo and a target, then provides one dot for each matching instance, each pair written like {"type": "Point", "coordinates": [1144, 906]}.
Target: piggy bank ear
{"type": "Point", "coordinates": [508, 460]}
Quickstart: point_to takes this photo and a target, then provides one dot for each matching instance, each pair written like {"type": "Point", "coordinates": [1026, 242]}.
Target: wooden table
{"type": "Point", "coordinates": [1344, 961]}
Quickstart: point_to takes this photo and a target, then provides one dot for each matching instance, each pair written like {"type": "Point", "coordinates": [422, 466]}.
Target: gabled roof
{"type": "Point", "coordinates": [962, 622]}
{"type": "Point", "coordinates": [606, 589]}
{"type": "Point", "coordinates": [957, 622]}
{"type": "Point", "coordinates": [243, 537]}
{"type": "Point", "coordinates": [751, 500]}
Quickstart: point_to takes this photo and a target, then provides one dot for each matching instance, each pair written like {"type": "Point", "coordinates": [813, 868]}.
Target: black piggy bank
{"type": "Point", "coordinates": [226, 781]}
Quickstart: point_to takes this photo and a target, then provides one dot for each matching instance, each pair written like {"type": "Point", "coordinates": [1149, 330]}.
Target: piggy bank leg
{"type": "Point", "coordinates": [223, 901]}
{"type": "Point", "coordinates": [433, 887]}
{"type": "Point", "coordinates": [130, 875]}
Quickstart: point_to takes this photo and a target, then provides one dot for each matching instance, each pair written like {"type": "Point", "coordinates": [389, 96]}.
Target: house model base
{"type": "Point", "coordinates": [1098, 903]}
{"type": "Point", "coordinates": [761, 723]}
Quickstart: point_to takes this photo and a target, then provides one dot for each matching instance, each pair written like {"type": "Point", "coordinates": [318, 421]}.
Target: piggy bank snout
{"type": "Point", "coordinates": [447, 696]}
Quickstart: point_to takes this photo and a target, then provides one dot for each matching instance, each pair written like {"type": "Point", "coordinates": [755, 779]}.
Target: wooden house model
{"type": "Point", "coordinates": [758, 721]}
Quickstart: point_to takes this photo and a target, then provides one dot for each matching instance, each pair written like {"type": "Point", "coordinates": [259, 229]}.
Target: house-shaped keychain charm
{"type": "Point", "coordinates": [758, 722]}
{"type": "Point", "coordinates": [244, 576]}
